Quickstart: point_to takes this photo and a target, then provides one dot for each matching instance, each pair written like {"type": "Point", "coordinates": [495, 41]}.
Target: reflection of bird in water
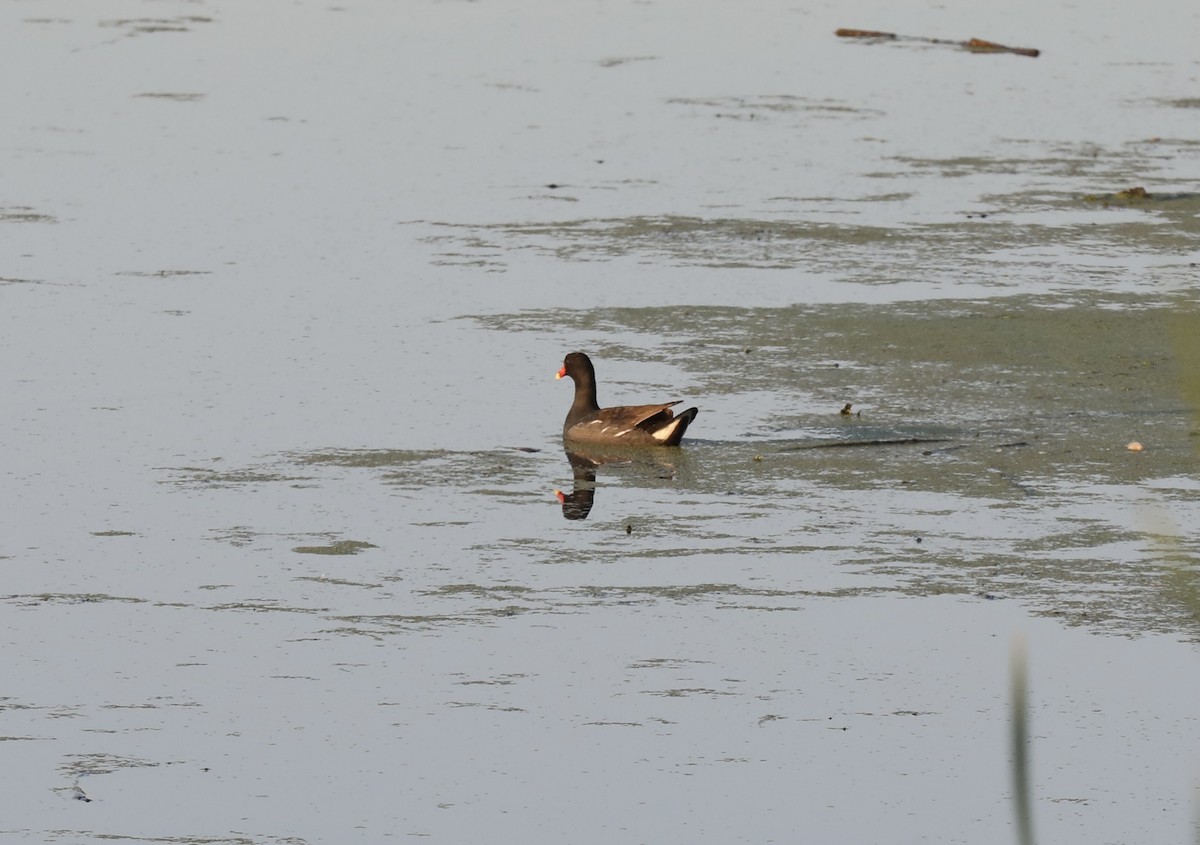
{"type": "Point", "coordinates": [578, 503]}
{"type": "Point", "coordinates": [586, 460]}
{"type": "Point", "coordinates": [629, 425]}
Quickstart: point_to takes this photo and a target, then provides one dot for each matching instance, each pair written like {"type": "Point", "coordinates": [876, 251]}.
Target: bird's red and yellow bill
{"type": "Point", "coordinates": [562, 371]}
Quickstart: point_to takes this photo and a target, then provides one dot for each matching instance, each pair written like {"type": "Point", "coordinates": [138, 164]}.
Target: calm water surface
{"type": "Point", "coordinates": [282, 292]}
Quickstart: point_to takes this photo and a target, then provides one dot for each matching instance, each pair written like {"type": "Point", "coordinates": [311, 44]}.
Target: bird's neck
{"type": "Point", "coordinates": [585, 402]}
{"type": "Point", "coordinates": [585, 396]}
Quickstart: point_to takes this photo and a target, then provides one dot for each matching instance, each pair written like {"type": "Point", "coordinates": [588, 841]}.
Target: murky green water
{"type": "Point", "coordinates": [985, 453]}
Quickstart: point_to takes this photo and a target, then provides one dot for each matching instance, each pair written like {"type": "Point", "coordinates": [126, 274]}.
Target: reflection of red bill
{"type": "Point", "coordinates": [560, 495]}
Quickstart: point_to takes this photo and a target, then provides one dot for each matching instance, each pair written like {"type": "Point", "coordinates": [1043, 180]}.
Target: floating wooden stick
{"type": "Point", "coordinates": [975, 45]}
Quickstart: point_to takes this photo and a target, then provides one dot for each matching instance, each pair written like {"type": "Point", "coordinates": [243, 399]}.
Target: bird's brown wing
{"type": "Point", "coordinates": [615, 424]}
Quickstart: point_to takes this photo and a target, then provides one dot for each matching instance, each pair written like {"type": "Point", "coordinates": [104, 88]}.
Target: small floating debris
{"type": "Point", "coordinates": [1138, 193]}
{"type": "Point", "coordinates": [74, 792]}
{"type": "Point", "coordinates": [974, 45]}
{"type": "Point", "coordinates": [847, 411]}
{"type": "Point", "coordinates": [1134, 446]}
{"type": "Point", "coordinates": [1129, 196]}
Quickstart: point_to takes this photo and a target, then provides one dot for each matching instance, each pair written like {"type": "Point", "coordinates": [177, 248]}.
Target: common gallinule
{"type": "Point", "coordinates": [627, 425]}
